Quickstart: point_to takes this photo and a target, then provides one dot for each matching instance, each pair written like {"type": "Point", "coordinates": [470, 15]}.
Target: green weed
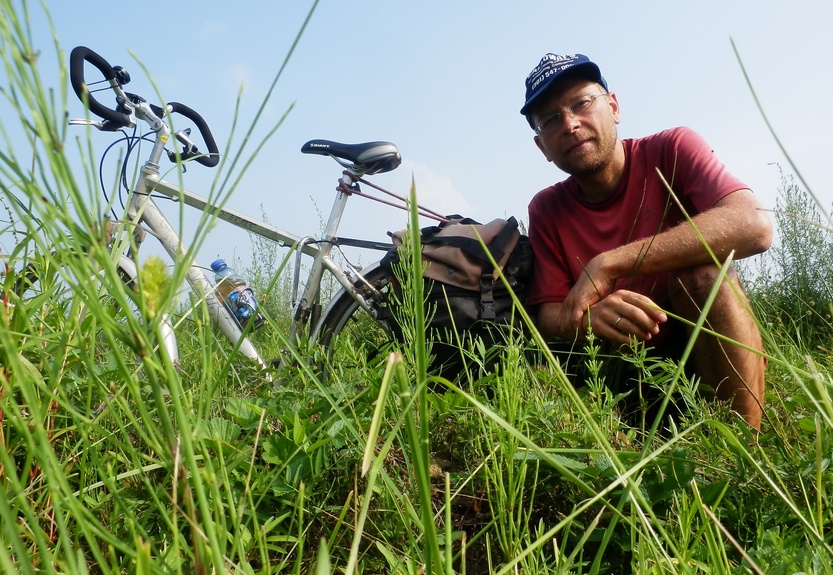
{"type": "Point", "coordinates": [114, 459]}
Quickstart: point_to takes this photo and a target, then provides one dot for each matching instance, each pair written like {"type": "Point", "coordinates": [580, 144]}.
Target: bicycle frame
{"type": "Point", "coordinates": [321, 253]}
{"type": "Point", "coordinates": [142, 213]}
{"type": "Point", "coordinates": [142, 209]}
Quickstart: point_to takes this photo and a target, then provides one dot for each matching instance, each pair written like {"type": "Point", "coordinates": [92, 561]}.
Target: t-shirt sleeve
{"type": "Point", "coordinates": [551, 280]}
{"type": "Point", "coordinates": [697, 174]}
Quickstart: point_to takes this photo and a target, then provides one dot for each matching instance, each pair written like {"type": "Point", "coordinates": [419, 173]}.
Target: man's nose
{"type": "Point", "coordinates": [570, 123]}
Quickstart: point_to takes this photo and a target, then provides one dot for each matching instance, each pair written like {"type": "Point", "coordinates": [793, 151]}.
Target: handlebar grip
{"type": "Point", "coordinates": [213, 157]}
{"type": "Point", "coordinates": [77, 58]}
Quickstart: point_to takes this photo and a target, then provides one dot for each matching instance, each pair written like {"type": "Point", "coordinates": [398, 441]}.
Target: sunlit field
{"type": "Point", "coordinates": [116, 459]}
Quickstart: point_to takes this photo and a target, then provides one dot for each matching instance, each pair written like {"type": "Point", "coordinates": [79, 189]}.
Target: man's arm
{"type": "Point", "coordinates": [736, 222]}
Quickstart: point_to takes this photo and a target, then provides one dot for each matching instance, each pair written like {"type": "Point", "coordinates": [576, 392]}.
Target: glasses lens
{"type": "Point", "coordinates": [578, 108]}
{"type": "Point", "coordinates": [550, 122]}
{"type": "Point", "coordinates": [582, 105]}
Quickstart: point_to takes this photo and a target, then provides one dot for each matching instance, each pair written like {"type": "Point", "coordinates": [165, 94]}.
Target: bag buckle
{"type": "Point", "coordinates": [487, 298]}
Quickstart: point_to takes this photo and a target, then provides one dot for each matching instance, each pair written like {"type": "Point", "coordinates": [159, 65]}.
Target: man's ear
{"type": "Point", "coordinates": [614, 106]}
{"type": "Point", "coordinates": [541, 147]}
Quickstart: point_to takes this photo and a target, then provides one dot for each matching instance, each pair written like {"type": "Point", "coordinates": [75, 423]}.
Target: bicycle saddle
{"type": "Point", "coordinates": [368, 158]}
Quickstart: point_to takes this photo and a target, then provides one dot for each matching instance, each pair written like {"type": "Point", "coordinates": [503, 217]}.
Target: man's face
{"type": "Point", "coordinates": [584, 142]}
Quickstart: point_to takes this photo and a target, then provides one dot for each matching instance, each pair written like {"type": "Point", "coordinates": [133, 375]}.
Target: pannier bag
{"type": "Point", "coordinates": [465, 297]}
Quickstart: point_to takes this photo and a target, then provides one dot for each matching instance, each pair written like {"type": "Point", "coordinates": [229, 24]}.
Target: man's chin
{"type": "Point", "coordinates": [581, 169]}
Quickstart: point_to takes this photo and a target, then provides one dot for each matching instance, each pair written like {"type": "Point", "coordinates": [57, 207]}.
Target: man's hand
{"type": "Point", "coordinates": [589, 290]}
{"type": "Point", "coordinates": [621, 315]}
{"type": "Point", "coordinates": [617, 317]}
{"type": "Point", "coordinates": [624, 315]}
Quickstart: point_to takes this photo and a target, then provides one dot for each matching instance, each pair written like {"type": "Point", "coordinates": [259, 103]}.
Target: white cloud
{"type": "Point", "coordinates": [213, 31]}
{"type": "Point", "coordinates": [435, 191]}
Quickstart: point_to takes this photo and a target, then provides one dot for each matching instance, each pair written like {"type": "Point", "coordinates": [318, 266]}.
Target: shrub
{"type": "Point", "coordinates": [793, 289]}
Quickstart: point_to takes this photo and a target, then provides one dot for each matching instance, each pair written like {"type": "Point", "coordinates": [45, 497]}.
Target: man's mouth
{"type": "Point", "coordinates": [577, 146]}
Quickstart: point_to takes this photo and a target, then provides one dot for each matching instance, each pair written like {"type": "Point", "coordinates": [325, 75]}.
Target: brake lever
{"type": "Point", "coordinates": [84, 122]}
{"type": "Point", "coordinates": [101, 125]}
{"type": "Point", "coordinates": [189, 149]}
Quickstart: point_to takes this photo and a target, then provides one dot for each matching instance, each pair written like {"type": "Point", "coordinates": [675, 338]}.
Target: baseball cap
{"type": "Point", "coordinates": [554, 66]}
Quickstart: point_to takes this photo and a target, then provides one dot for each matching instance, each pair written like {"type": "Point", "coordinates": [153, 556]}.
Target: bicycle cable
{"type": "Point", "coordinates": [131, 141]}
{"type": "Point", "coordinates": [125, 138]}
{"type": "Point", "coordinates": [102, 89]}
{"type": "Point", "coordinates": [423, 211]}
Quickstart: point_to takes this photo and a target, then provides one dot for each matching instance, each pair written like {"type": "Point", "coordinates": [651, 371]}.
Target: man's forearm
{"type": "Point", "coordinates": [736, 224]}
{"type": "Point", "coordinates": [551, 322]}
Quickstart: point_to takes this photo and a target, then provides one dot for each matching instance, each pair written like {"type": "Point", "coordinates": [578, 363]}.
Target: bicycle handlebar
{"type": "Point", "coordinates": [213, 157]}
{"type": "Point", "coordinates": [77, 58]}
{"type": "Point", "coordinates": [122, 115]}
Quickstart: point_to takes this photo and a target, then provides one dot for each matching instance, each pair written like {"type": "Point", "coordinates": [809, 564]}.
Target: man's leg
{"type": "Point", "coordinates": [735, 373]}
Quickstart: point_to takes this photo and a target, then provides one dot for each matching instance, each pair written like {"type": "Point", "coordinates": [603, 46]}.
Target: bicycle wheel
{"type": "Point", "coordinates": [165, 337]}
{"type": "Point", "coordinates": [102, 323]}
{"type": "Point", "coordinates": [349, 336]}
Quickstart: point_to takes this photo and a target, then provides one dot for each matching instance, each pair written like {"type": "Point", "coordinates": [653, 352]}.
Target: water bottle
{"type": "Point", "coordinates": [236, 295]}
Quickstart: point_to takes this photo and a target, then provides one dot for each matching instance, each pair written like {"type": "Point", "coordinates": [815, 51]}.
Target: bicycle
{"type": "Point", "coordinates": [363, 294]}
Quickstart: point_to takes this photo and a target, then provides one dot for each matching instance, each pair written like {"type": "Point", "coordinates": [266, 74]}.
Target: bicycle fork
{"type": "Point", "coordinates": [142, 209]}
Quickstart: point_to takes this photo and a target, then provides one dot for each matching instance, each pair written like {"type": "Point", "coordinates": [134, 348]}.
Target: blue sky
{"type": "Point", "coordinates": [444, 81]}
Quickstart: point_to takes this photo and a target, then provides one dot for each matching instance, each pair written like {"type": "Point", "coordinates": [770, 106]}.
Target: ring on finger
{"type": "Point", "coordinates": [616, 323]}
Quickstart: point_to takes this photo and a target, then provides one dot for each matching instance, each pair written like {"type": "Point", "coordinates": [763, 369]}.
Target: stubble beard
{"type": "Point", "coordinates": [595, 160]}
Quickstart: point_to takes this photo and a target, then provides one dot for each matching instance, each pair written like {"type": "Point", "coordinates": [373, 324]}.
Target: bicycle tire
{"type": "Point", "coordinates": [128, 272]}
{"type": "Point", "coordinates": [57, 284]}
{"type": "Point", "coordinates": [116, 340]}
{"type": "Point", "coordinates": [348, 335]}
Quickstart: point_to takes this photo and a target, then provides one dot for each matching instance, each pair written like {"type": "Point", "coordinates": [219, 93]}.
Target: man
{"type": "Point", "coordinates": [613, 248]}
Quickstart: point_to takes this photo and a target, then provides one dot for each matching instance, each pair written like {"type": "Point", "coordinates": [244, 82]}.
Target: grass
{"type": "Point", "coordinates": [114, 460]}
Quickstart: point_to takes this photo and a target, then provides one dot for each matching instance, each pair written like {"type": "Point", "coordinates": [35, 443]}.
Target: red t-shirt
{"type": "Point", "coordinates": [566, 231]}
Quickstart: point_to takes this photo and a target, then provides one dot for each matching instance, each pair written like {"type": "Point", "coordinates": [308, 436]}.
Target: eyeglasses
{"type": "Point", "coordinates": [582, 106]}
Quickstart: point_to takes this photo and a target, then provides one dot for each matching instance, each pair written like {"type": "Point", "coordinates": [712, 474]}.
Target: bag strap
{"type": "Point", "coordinates": [473, 247]}
{"type": "Point", "coordinates": [487, 277]}
{"type": "Point", "coordinates": [498, 247]}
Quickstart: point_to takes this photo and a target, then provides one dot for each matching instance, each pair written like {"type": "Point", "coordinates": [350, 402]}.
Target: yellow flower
{"type": "Point", "coordinates": [155, 281]}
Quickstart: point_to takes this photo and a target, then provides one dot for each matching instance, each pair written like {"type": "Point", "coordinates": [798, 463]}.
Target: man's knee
{"type": "Point", "coordinates": [689, 289]}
